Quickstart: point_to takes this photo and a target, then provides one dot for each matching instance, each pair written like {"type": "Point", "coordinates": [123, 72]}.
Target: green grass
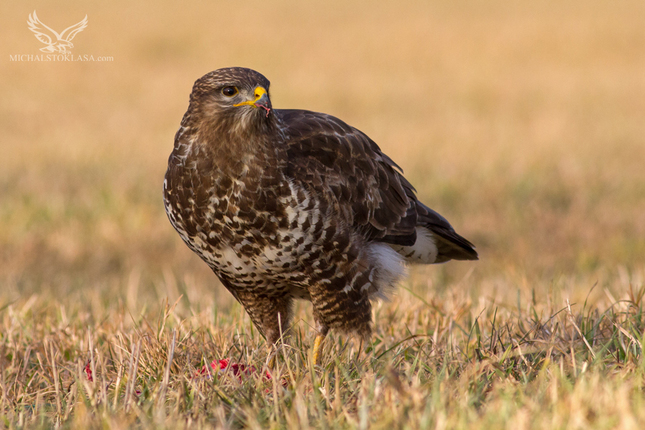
{"type": "Point", "coordinates": [522, 123]}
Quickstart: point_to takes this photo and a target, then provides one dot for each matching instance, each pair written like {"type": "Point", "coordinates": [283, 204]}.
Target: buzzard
{"type": "Point", "coordinates": [287, 204]}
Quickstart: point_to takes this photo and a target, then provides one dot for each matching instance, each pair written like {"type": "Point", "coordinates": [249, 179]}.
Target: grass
{"type": "Point", "coordinates": [430, 365]}
{"type": "Point", "coordinates": [521, 123]}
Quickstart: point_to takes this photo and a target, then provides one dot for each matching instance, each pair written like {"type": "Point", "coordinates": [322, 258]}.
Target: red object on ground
{"type": "Point", "coordinates": [88, 371]}
{"type": "Point", "coordinates": [237, 369]}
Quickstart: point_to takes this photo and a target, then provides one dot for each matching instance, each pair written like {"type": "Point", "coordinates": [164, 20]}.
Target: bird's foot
{"type": "Point", "coordinates": [317, 349]}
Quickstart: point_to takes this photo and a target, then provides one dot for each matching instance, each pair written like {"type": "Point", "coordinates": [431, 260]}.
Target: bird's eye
{"type": "Point", "coordinates": [229, 91]}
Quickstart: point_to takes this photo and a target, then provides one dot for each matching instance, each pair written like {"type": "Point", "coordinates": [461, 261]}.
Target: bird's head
{"type": "Point", "coordinates": [233, 98]}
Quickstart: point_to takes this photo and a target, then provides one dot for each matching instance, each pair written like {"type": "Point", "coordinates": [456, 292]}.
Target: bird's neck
{"type": "Point", "coordinates": [242, 153]}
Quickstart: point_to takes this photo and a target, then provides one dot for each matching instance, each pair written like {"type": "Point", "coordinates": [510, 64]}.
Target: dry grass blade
{"type": "Point", "coordinates": [584, 339]}
{"type": "Point", "coordinates": [132, 375]}
{"type": "Point", "coordinates": [55, 378]}
{"type": "Point", "coordinates": [166, 377]}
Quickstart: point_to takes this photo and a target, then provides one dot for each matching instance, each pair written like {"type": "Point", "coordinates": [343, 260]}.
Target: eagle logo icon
{"type": "Point", "coordinates": [56, 42]}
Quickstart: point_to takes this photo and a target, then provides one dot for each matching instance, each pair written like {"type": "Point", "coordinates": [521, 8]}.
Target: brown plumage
{"type": "Point", "coordinates": [293, 204]}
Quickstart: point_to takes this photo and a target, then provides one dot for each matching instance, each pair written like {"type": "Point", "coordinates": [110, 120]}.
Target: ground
{"type": "Point", "coordinates": [520, 122]}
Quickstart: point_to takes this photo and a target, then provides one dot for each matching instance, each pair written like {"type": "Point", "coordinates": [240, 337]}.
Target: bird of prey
{"type": "Point", "coordinates": [287, 204]}
{"type": "Point", "coordinates": [62, 41]}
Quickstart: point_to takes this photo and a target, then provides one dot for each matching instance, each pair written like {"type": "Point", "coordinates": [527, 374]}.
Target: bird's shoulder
{"type": "Point", "coordinates": [320, 142]}
{"type": "Point", "coordinates": [333, 158]}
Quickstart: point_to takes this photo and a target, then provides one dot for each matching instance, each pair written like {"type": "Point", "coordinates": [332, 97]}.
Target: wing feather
{"type": "Point", "coordinates": [372, 193]}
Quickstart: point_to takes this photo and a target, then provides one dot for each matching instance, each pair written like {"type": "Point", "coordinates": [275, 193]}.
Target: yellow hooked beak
{"type": "Point", "coordinates": [261, 100]}
{"type": "Point", "coordinates": [261, 97]}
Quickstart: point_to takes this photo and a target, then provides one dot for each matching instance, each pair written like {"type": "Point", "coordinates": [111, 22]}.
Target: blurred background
{"type": "Point", "coordinates": [521, 122]}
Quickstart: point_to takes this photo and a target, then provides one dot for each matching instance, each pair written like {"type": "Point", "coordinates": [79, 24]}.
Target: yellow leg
{"type": "Point", "coordinates": [317, 348]}
{"type": "Point", "coordinates": [273, 352]}
{"type": "Point", "coordinates": [271, 362]}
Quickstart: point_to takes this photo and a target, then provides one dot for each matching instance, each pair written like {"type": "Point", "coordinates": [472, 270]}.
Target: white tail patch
{"type": "Point", "coordinates": [387, 269]}
{"type": "Point", "coordinates": [424, 250]}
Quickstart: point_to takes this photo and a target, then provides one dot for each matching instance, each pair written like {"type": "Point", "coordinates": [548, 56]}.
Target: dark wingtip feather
{"type": "Point", "coordinates": [452, 246]}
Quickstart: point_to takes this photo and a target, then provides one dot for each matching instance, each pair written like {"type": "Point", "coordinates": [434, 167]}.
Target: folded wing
{"type": "Point", "coordinates": [371, 192]}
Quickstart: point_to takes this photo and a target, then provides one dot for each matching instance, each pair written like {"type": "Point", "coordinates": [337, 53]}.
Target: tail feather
{"type": "Point", "coordinates": [436, 245]}
{"type": "Point", "coordinates": [451, 245]}
{"type": "Point", "coordinates": [436, 240]}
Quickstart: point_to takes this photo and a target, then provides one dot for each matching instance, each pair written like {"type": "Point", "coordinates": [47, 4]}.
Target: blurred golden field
{"type": "Point", "coordinates": [521, 122]}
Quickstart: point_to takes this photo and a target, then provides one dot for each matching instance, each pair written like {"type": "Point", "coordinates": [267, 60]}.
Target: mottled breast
{"type": "Point", "coordinates": [260, 230]}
